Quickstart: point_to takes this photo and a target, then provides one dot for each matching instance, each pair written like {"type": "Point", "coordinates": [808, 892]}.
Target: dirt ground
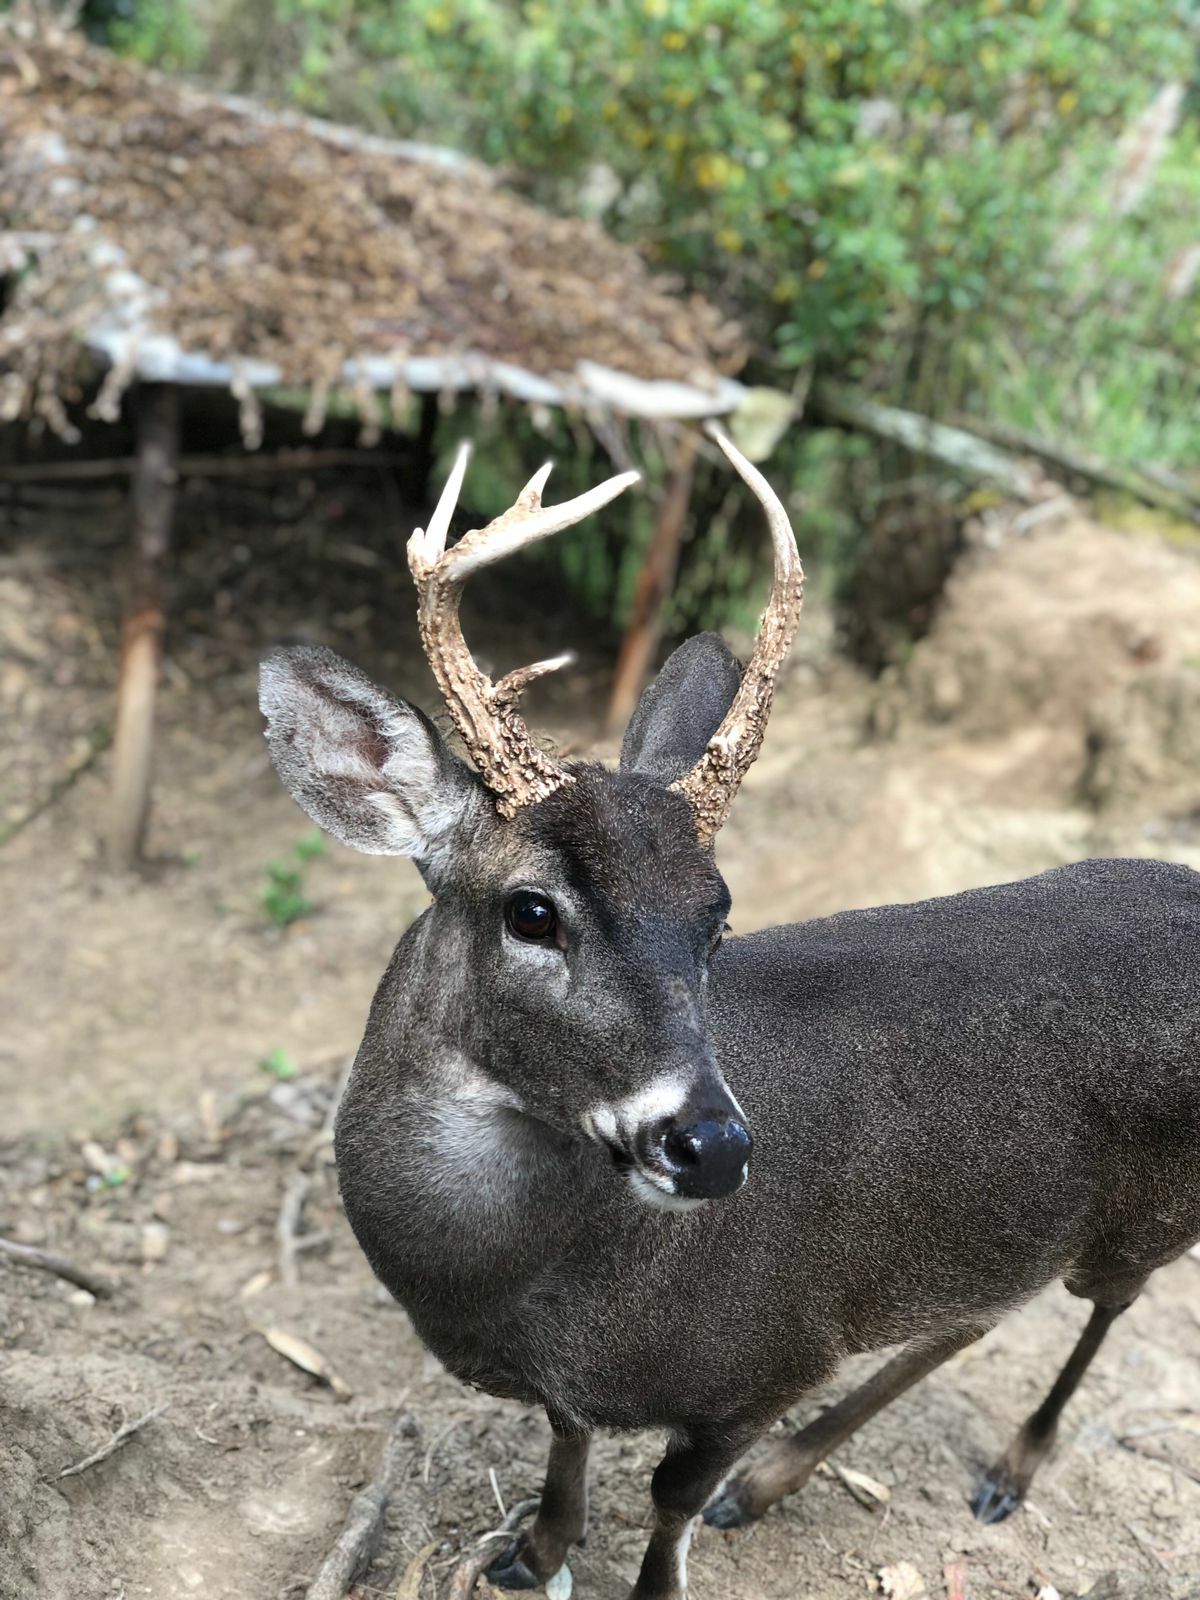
{"type": "Point", "coordinates": [1053, 712]}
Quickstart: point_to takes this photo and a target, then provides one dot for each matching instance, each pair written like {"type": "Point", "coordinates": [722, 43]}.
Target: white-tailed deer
{"type": "Point", "coordinates": [545, 1144]}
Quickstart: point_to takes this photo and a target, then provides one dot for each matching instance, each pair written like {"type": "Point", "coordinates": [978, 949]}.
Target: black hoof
{"type": "Point", "coordinates": [997, 1497]}
{"type": "Point", "coordinates": [725, 1510]}
{"type": "Point", "coordinates": [508, 1571]}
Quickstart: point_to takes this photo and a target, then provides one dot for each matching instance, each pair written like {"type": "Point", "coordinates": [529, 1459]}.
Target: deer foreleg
{"type": "Point", "coordinates": [534, 1558]}
{"type": "Point", "coordinates": [683, 1481]}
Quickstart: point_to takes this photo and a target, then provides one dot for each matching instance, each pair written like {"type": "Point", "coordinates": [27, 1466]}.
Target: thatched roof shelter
{"type": "Point", "coordinates": [178, 236]}
{"type": "Point", "coordinates": [157, 236]}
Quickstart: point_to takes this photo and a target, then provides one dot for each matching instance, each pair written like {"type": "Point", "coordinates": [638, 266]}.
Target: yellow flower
{"type": "Point", "coordinates": [439, 20]}
{"type": "Point", "coordinates": [674, 39]}
{"type": "Point", "coordinates": [729, 239]}
{"type": "Point", "coordinates": [655, 8]}
{"type": "Point", "coordinates": [715, 171]}
{"type": "Point", "coordinates": [1067, 102]}
{"type": "Point", "coordinates": [817, 269]}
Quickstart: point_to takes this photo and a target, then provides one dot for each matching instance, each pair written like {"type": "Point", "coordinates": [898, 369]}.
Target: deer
{"type": "Point", "coordinates": [618, 1163]}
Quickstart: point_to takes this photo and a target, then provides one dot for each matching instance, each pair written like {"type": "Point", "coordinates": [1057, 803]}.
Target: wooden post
{"type": "Point", "coordinates": [653, 586]}
{"type": "Point", "coordinates": [155, 480]}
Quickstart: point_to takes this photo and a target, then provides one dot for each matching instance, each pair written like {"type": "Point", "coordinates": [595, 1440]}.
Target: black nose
{"type": "Point", "coordinates": [707, 1160]}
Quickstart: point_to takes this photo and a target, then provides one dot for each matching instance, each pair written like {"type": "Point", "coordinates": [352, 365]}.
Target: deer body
{"type": "Point", "coordinates": [545, 1146]}
{"type": "Point", "coordinates": [909, 1080]}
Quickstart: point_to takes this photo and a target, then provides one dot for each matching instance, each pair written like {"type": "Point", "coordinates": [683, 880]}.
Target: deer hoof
{"type": "Point", "coordinates": [997, 1497]}
{"type": "Point", "coordinates": [508, 1571]}
{"type": "Point", "coordinates": [725, 1510]}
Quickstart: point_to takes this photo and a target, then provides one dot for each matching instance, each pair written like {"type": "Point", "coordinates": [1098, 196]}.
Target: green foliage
{"type": "Point", "coordinates": [917, 195]}
{"type": "Point", "coordinates": [873, 184]}
{"type": "Point", "coordinates": [283, 898]}
{"type": "Point", "coordinates": [312, 847]}
{"type": "Point", "coordinates": [278, 1064]}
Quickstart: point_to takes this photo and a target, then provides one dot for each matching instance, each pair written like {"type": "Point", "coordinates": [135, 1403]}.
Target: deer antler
{"type": "Point", "coordinates": [485, 713]}
{"type": "Point", "coordinates": [712, 783]}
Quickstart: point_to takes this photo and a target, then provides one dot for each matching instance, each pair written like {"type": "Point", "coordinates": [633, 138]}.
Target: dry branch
{"type": "Point", "coordinates": [359, 1539]}
{"type": "Point", "coordinates": [475, 1563]}
{"type": "Point", "coordinates": [122, 1436]}
{"type": "Point", "coordinates": [999, 454]}
{"type": "Point", "coordinates": [287, 1229]}
{"type": "Point", "coordinates": [44, 1261]}
{"type": "Point", "coordinates": [953, 447]}
{"type": "Point", "coordinates": [1165, 491]}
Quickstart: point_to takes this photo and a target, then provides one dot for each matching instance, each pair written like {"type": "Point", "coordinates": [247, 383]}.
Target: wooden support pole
{"type": "Point", "coordinates": [653, 587]}
{"type": "Point", "coordinates": [155, 481]}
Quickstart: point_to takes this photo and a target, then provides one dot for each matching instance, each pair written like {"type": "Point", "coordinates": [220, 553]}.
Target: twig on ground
{"type": "Point", "coordinates": [495, 1482]}
{"type": "Point", "coordinates": [98, 741]}
{"type": "Point", "coordinates": [291, 1213]}
{"type": "Point", "coordinates": [359, 1539]}
{"type": "Point", "coordinates": [324, 1134]}
{"type": "Point", "coordinates": [28, 1255]}
{"type": "Point", "coordinates": [955, 1575]}
{"type": "Point", "coordinates": [475, 1563]}
{"type": "Point", "coordinates": [122, 1435]}
{"type": "Point", "coordinates": [1133, 1444]}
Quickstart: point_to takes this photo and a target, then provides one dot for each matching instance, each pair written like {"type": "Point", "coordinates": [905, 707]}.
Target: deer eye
{"type": "Point", "coordinates": [530, 915]}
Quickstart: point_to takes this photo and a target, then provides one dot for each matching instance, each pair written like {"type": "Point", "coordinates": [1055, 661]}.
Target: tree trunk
{"type": "Point", "coordinates": [155, 480]}
{"type": "Point", "coordinates": [653, 586]}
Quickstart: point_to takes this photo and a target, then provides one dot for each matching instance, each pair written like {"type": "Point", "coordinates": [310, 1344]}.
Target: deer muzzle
{"type": "Point", "coordinates": [679, 1146]}
{"type": "Point", "coordinates": [705, 1158]}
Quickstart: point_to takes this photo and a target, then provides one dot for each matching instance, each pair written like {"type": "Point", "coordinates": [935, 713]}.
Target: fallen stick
{"type": "Point", "coordinates": [359, 1539]}
{"type": "Point", "coordinates": [478, 1559]}
{"type": "Point", "coordinates": [287, 1229]}
{"type": "Point", "coordinates": [122, 1436]}
{"type": "Point", "coordinates": [98, 741]}
{"type": "Point", "coordinates": [44, 1261]}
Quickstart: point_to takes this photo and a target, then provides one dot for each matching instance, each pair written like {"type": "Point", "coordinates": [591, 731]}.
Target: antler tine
{"type": "Point", "coordinates": [430, 542]}
{"type": "Point", "coordinates": [715, 779]}
{"type": "Point", "coordinates": [485, 713]}
{"type": "Point", "coordinates": [528, 520]}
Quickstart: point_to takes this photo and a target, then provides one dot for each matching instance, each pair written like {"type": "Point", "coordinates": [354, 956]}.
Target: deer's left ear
{"type": "Point", "coordinates": [370, 769]}
{"type": "Point", "coordinates": [682, 709]}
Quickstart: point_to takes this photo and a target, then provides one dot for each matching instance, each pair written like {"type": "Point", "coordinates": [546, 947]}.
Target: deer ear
{"type": "Point", "coordinates": [371, 770]}
{"type": "Point", "coordinates": [682, 709]}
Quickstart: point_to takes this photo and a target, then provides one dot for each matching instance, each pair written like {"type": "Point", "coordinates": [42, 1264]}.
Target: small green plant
{"type": "Point", "coordinates": [283, 898]}
{"type": "Point", "coordinates": [278, 1064]}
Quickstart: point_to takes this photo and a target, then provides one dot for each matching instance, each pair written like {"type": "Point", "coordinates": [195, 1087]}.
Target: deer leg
{"type": "Point", "coordinates": [561, 1521]}
{"type": "Point", "coordinates": [683, 1480]}
{"type": "Point", "coordinates": [1004, 1487]}
{"type": "Point", "coordinates": [789, 1464]}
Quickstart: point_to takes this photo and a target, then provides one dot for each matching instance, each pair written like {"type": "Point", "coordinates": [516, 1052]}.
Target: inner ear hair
{"type": "Point", "coordinates": [369, 768]}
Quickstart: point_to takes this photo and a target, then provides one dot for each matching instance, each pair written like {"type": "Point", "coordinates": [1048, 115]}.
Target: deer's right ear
{"type": "Point", "coordinates": [371, 770]}
{"type": "Point", "coordinates": [682, 709]}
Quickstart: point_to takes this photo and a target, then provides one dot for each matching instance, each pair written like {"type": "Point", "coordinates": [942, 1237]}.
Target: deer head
{"type": "Point", "coordinates": [576, 909]}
